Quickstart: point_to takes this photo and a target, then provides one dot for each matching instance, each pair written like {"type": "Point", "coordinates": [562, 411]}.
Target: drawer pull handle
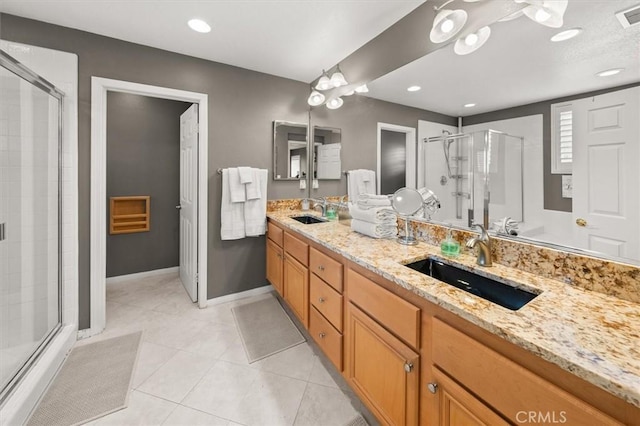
{"type": "Point", "coordinates": [433, 387]}
{"type": "Point", "coordinates": [321, 268]}
{"type": "Point", "coordinates": [408, 367]}
{"type": "Point", "coordinates": [321, 335]}
{"type": "Point", "coordinates": [321, 299]}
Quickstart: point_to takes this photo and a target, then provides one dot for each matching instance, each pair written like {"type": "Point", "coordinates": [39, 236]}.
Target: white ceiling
{"type": "Point", "coordinates": [520, 65]}
{"type": "Point", "coordinates": [295, 39]}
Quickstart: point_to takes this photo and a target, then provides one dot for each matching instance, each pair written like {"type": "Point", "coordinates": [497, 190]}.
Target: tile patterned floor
{"type": "Point", "coordinates": [192, 369]}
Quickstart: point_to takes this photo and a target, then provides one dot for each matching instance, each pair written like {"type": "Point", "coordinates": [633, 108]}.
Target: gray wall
{"type": "Point", "coordinates": [393, 168]}
{"type": "Point", "coordinates": [242, 107]}
{"type": "Point", "coordinates": [552, 182]}
{"type": "Point", "coordinates": [358, 118]}
{"type": "Point", "coordinates": [143, 158]}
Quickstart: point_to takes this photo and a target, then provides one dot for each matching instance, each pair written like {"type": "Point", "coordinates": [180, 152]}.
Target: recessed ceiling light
{"type": "Point", "coordinates": [413, 88]}
{"type": "Point", "coordinates": [469, 105]}
{"type": "Point", "coordinates": [566, 35]}
{"type": "Point", "coordinates": [610, 72]}
{"type": "Point", "coordinates": [199, 25]}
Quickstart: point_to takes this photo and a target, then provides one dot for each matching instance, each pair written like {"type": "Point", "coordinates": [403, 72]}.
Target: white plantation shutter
{"type": "Point", "coordinates": [561, 138]}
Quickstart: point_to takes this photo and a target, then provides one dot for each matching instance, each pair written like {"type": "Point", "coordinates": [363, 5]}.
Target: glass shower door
{"type": "Point", "coordinates": [30, 303]}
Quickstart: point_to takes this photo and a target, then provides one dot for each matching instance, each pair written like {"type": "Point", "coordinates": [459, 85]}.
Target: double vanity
{"type": "Point", "coordinates": [424, 339]}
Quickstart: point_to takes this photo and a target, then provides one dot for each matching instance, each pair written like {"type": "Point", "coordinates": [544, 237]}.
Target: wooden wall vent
{"type": "Point", "coordinates": [129, 214]}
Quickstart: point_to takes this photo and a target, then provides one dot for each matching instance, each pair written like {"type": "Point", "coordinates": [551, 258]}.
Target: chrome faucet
{"type": "Point", "coordinates": [483, 241]}
{"type": "Point", "coordinates": [322, 203]}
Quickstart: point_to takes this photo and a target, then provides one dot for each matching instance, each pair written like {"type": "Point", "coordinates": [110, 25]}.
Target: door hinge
{"type": "Point", "coordinates": [195, 277]}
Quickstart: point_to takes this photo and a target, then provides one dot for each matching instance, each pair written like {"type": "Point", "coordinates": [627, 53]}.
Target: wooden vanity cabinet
{"type": "Point", "coordinates": [325, 298]}
{"type": "Point", "coordinates": [275, 257]}
{"type": "Point", "coordinates": [296, 276]}
{"type": "Point", "coordinates": [382, 362]}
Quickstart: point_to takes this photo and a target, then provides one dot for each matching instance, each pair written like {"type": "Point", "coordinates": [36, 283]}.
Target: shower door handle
{"type": "Point", "coordinates": [2, 234]}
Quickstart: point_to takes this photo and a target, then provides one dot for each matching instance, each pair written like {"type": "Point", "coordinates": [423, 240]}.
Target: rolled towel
{"type": "Point", "coordinates": [374, 230]}
{"type": "Point", "coordinates": [373, 197]}
{"type": "Point", "coordinates": [371, 203]}
{"type": "Point", "coordinates": [378, 215]}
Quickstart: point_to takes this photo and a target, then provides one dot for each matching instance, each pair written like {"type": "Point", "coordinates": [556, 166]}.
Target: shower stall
{"type": "Point", "coordinates": [476, 176]}
{"type": "Point", "coordinates": [30, 219]}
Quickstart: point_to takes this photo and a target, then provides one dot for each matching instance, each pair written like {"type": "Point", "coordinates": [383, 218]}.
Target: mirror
{"type": "Point", "coordinates": [519, 72]}
{"type": "Point", "coordinates": [327, 147]}
{"type": "Point", "coordinates": [290, 158]}
{"type": "Point", "coordinates": [407, 202]}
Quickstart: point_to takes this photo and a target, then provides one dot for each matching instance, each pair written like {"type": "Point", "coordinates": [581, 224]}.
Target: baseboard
{"type": "Point", "coordinates": [26, 396]}
{"type": "Point", "coordinates": [242, 295]}
{"type": "Point", "coordinates": [144, 274]}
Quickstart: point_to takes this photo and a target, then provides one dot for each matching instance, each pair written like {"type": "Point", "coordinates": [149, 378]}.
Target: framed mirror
{"type": "Point", "coordinates": [290, 152]}
{"type": "Point", "coordinates": [327, 147]}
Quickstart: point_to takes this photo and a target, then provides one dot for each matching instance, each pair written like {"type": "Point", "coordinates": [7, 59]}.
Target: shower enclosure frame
{"type": "Point", "coordinates": [15, 67]}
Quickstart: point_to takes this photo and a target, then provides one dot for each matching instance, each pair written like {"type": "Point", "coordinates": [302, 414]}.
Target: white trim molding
{"type": "Point", "coordinates": [98, 220]}
{"type": "Point", "coordinates": [140, 275]}
{"type": "Point", "coordinates": [242, 295]}
{"type": "Point", "coordinates": [411, 153]}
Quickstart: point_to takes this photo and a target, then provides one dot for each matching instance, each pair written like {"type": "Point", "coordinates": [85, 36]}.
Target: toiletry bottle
{"type": "Point", "coordinates": [305, 204]}
{"type": "Point", "coordinates": [332, 214]}
{"type": "Point", "coordinates": [450, 247]}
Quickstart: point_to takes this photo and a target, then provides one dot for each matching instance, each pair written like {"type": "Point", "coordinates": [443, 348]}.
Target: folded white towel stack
{"type": "Point", "coordinates": [372, 215]}
{"type": "Point", "coordinates": [375, 230]}
{"type": "Point", "coordinates": [368, 201]}
{"type": "Point", "coordinates": [384, 215]}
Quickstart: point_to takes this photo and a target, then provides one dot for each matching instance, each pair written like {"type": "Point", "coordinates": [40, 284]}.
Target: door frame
{"type": "Point", "coordinates": [98, 207]}
{"type": "Point", "coordinates": [411, 159]}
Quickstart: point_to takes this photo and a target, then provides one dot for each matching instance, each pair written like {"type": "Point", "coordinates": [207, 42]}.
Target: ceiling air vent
{"type": "Point", "coordinates": [629, 17]}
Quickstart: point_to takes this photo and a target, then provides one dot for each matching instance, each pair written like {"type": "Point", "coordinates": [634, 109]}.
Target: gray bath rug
{"type": "Point", "coordinates": [93, 381]}
{"type": "Point", "coordinates": [265, 328]}
{"type": "Point", "coordinates": [357, 421]}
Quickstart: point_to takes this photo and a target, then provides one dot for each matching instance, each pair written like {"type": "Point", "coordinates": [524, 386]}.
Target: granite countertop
{"type": "Point", "coordinates": [592, 335]}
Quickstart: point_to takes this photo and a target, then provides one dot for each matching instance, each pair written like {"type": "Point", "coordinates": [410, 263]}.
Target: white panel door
{"type": "Point", "coordinates": [189, 200]}
{"type": "Point", "coordinates": [606, 177]}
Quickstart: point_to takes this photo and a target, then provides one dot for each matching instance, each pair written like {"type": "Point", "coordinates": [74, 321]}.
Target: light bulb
{"type": "Point", "coordinates": [199, 25]}
{"type": "Point", "coordinates": [362, 89]}
{"type": "Point", "coordinates": [471, 39]}
{"type": "Point", "coordinates": [542, 15]}
{"type": "Point", "coordinates": [335, 103]}
{"type": "Point", "coordinates": [446, 26]}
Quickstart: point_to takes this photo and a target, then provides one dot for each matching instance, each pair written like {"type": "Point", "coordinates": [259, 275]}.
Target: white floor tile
{"type": "Point", "coordinates": [150, 359]}
{"type": "Point", "coordinates": [319, 374]}
{"type": "Point", "coordinates": [178, 376]}
{"type": "Point", "coordinates": [185, 416]}
{"type": "Point", "coordinates": [272, 400]}
{"type": "Point", "coordinates": [322, 405]}
{"type": "Point", "coordinates": [219, 391]}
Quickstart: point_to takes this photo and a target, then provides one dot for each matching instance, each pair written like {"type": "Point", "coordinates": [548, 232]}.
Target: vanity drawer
{"type": "Point", "coordinates": [326, 300]}
{"type": "Point", "coordinates": [296, 248]}
{"type": "Point", "coordinates": [394, 313]}
{"type": "Point", "coordinates": [506, 386]}
{"type": "Point", "coordinates": [328, 269]}
{"type": "Point", "coordinates": [274, 233]}
{"type": "Point", "coordinates": [326, 337]}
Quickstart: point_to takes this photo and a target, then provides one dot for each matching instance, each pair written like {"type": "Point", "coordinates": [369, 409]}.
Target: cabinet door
{"type": "Point", "coordinates": [274, 266]}
{"type": "Point", "coordinates": [457, 407]}
{"type": "Point", "coordinates": [383, 370]}
{"type": "Point", "coordinates": [296, 288]}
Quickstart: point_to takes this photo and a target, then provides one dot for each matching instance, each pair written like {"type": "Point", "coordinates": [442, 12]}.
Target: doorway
{"type": "Point", "coordinates": [99, 89]}
{"type": "Point", "coordinates": [396, 158]}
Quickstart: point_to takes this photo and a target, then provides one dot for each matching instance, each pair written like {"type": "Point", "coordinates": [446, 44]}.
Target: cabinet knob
{"type": "Point", "coordinates": [433, 387]}
{"type": "Point", "coordinates": [321, 335]}
{"type": "Point", "coordinates": [408, 367]}
{"type": "Point", "coordinates": [321, 268]}
{"type": "Point", "coordinates": [581, 222]}
{"type": "Point", "coordinates": [321, 299]}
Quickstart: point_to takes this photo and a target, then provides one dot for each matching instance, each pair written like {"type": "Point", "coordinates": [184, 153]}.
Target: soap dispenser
{"type": "Point", "coordinates": [450, 247]}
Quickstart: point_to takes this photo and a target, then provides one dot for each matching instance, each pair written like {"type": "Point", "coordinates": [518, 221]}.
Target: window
{"type": "Point", "coordinates": [561, 138]}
